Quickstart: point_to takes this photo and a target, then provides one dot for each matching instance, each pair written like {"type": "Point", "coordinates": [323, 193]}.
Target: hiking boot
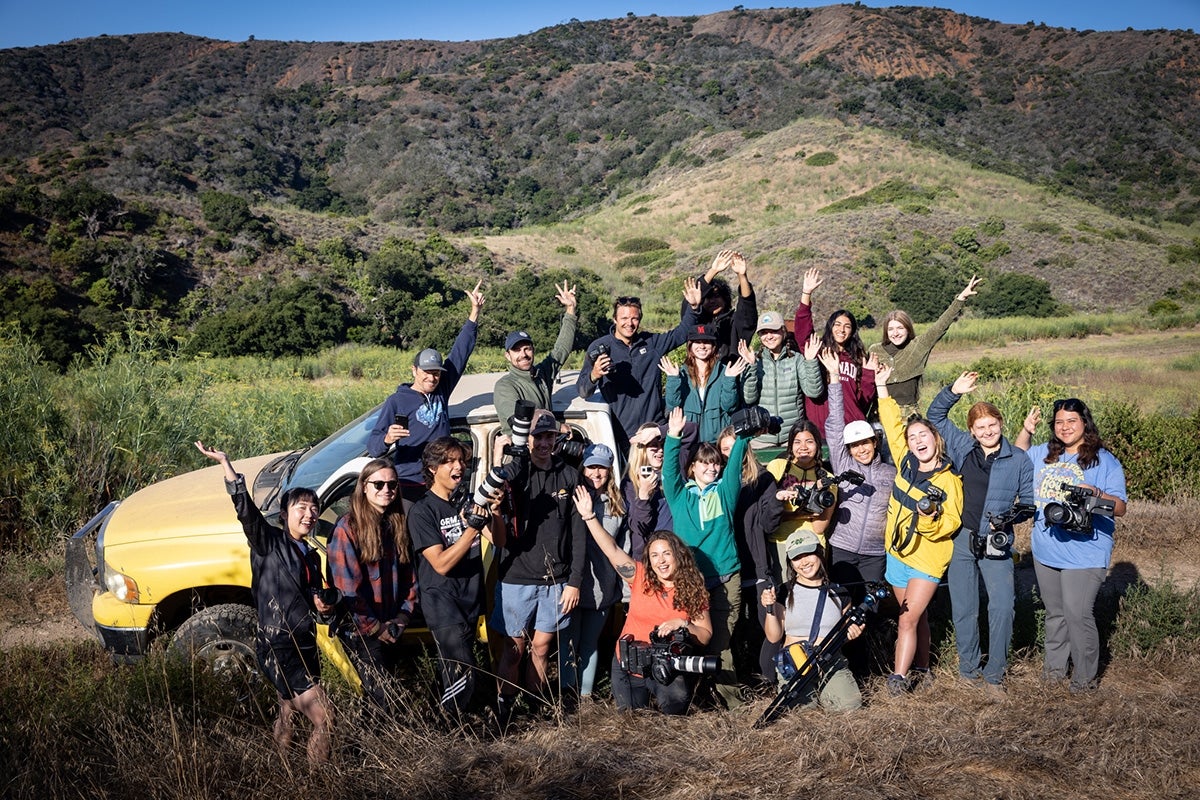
{"type": "Point", "coordinates": [1086, 688]}
{"type": "Point", "coordinates": [922, 680]}
{"type": "Point", "coordinates": [505, 708]}
{"type": "Point", "coordinates": [897, 685]}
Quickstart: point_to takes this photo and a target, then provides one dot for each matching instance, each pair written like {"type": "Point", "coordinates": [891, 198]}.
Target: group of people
{"type": "Point", "coordinates": [721, 535]}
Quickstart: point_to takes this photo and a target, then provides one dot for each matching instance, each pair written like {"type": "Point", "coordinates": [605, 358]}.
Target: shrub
{"type": "Point", "coordinates": [821, 159]}
{"type": "Point", "coordinates": [719, 219]}
{"type": "Point", "coordinates": [1154, 619]}
{"type": "Point", "coordinates": [566, 249]}
{"type": "Point", "coordinates": [226, 213]}
{"type": "Point", "coordinates": [1013, 294]}
{"type": "Point", "coordinates": [641, 244]}
{"type": "Point", "coordinates": [924, 291]}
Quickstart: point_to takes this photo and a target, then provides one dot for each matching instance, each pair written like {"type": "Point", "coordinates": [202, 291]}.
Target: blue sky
{"type": "Point", "coordinates": [25, 23]}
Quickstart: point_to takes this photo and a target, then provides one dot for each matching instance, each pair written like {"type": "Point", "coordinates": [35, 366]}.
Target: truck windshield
{"type": "Point", "coordinates": [335, 450]}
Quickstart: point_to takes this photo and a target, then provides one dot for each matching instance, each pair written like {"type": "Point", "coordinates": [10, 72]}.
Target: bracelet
{"type": "Point", "coordinates": [588, 519]}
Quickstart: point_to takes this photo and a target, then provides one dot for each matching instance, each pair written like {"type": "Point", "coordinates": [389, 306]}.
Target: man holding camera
{"type": "Point", "coordinates": [418, 412]}
{"type": "Point", "coordinates": [623, 364]}
{"type": "Point", "coordinates": [540, 566]}
{"type": "Point", "coordinates": [527, 381]}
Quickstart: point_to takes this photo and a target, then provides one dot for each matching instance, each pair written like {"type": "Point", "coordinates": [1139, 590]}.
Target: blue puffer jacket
{"type": "Point", "coordinates": [1011, 477]}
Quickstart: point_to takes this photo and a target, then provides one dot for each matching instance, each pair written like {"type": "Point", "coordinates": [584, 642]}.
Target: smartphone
{"type": "Point", "coordinates": [401, 420]}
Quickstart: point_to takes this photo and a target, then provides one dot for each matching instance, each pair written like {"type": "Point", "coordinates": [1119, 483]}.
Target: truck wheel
{"type": "Point", "coordinates": [220, 639]}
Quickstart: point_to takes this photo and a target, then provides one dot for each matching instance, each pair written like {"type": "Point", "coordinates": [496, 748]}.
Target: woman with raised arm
{"type": "Point", "coordinates": [907, 354]}
{"type": "Point", "coordinates": [601, 587]}
{"type": "Point", "coordinates": [286, 584]}
{"type": "Point", "coordinates": [371, 563]}
{"type": "Point", "coordinates": [1080, 488]}
{"type": "Point", "coordinates": [705, 388]}
{"type": "Point", "coordinates": [666, 594]}
{"type": "Point", "coordinates": [840, 336]}
{"type": "Point", "coordinates": [924, 513]}
{"type": "Point", "coordinates": [778, 379]}
{"type": "Point", "coordinates": [996, 477]}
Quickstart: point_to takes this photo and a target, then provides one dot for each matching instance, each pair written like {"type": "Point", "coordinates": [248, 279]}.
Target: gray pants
{"type": "Point", "coordinates": [724, 603]}
{"type": "Point", "coordinates": [1071, 633]}
{"type": "Point", "coordinates": [963, 576]}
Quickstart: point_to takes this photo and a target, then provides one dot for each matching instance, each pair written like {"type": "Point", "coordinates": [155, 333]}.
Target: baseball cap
{"type": "Point", "coordinates": [515, 338]}
{"type": "Point", "coordinates": [702, 333]}
{"type": "Point", "coordinates": [857, 431]}
{"type": "Point", "coordinates": [598, 455]}
{"type": "Point", "coordinates": [771, 321]}
{"type": "Point", "coordinates": [801, 543]}
{"type": "Point", "coordinates": [543, 422]}
{"type": "Point", "coordinates": [429, 360]}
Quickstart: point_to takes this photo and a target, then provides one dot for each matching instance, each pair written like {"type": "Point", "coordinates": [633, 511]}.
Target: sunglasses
{"type": "Point", "coordinates": [381, 485]}
{"type": "Point", "coordinates": [629, 300]}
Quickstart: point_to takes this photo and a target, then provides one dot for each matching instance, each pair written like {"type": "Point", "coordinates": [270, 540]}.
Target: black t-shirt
{"type": "Point", "coordinates": [454, 598]}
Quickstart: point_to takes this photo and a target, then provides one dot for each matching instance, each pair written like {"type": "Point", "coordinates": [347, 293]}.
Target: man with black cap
{"type": "Point", "coordinates": [540, 564]}
{"type": "Point", "coordinates": [418, 412]}
{"type": "Point", "coordinates": [525, 380]}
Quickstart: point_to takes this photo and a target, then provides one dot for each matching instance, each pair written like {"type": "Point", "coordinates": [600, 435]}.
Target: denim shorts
{"type": "Point", "coordinates": [518, 605]}
{"type": "Point", "coordinates": [899, 574]}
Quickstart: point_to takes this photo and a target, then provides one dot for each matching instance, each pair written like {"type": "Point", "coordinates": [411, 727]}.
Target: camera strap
{"type": "Point", "coordinates": [908, 464]}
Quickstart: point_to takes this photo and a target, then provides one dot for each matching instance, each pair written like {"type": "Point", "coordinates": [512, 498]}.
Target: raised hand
{"type": "Point", "coordinates": [668, 366]}
{"type": "Point", "coordinates": [964, 383]}
{"type": "Point", "coordinates": [882, 374]}
{"type": "Point", "coordinates": [566, 296]}
{"type": "Point", "coordinates": [812, 280]}
{"type": "Point", "coordinates": [583, 501]}
{"type": "Point", "coordinates": [476, 300]}
{"type": "Point", "coordinates": [675, 422]}
{"type": "Point", "coordinates": [736, 368]}
{"type": "Point", "coordinates": [738, 264]}
{"type": "Point", "coordinates": [812, 346]}
{"type": "Point", "coordinates": [871, 362]}
{"type": "Point", "coordinates": [216, 455]}
{"type": "Point", "coordinates": [746, 353]}
{"type": "Point", "coordinates": [1032, 419]}
{"type": "Point", "coordinates": [970, 290]}
{"type": "Point", "coordinates": [829, 360]}
{"type": "Point", "coordinates": [721, 262]}
{"type": "Point", "coordinates": [691, 292]}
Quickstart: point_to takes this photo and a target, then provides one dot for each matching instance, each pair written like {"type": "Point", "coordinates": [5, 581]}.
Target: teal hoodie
{"type": "Point", "coordinates": [704, 517]}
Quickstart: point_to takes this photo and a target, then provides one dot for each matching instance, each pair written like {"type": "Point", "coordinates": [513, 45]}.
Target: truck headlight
{"type": "Point", "coordinates": [122, 587]}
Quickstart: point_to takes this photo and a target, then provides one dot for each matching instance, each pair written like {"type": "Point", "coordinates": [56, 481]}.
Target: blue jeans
{"type": "Point", "coordinates": [577, 649]}
{"type": "Point", "coordinates": [963, 576]}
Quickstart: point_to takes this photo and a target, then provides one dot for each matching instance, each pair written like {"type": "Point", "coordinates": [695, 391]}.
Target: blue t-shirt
{"type": "Point", "coordinates": [1058, 547]}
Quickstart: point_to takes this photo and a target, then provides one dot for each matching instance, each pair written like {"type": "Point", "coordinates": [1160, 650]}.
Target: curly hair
{"type": "Point", "coordinates": [367, 524]}
{"type": "Point", "coordinates": [1092, 444]}
{"type": "Point", "coordinates": [690, 595]}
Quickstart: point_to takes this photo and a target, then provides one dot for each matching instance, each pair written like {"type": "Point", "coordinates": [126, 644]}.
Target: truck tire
{"type": "Point", "coordinates": [219, 639]}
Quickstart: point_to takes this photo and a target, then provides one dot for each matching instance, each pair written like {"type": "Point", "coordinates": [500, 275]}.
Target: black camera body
{"type": "Point", "coordinates": [931, 503]}
{"type": "Point", "coordinates": [571, 448]}
{"type": "Point", "coordinates": [663, 657]}
{"type": "Point", "coordinates": [754, 420]}
{"type": "Point", "coordinates": [1075, 511]}
{"type": "Point", "coordinates": [996, 542]}
{"type": "Point", "coordinates": [820, 496]}
{"type": "Point", "coordinates": [601, 349]}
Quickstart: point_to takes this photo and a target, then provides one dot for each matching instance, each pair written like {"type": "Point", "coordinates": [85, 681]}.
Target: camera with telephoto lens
{"type": "Point", "coordinates": [520, 422]}
{"type": "Point", "coordinates": [931, 503]}
{"type": "Point", "coordinates": [601, 349]}
{"type": "Point", "coordinates": [663, 657]}
{"type": "Point", "coordinates": [754, 420]}
{"type": "Point", "coordinates": [571, 446]}
{"type": "Point", "coordinates": [996, 543]}
{"type": "Point", "coordinates": [1075, 511]}
{"type": "Point", "coordinates": [818, 497]}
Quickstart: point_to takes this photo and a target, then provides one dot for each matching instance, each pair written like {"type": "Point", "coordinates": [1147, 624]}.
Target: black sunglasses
{"type": "Point", "coordinates": [629, 300]}
{"type": "Point", "coordinates": [381, 485]}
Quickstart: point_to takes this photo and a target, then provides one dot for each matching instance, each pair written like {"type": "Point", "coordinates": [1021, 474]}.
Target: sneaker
{"type": "Point", "coordinates": [1086, 688]}
{"type": "Point", "coordinates": [505, 708]}
{"type": "Point", "coordinates": [897, 685]}
{"type": "Point", "coordinates": [995, 692]}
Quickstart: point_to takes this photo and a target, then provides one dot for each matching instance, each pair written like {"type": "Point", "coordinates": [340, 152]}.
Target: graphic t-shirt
{"type": "Point", "coordinates": [453, 598]}
{"type": "Point", "coordinates": [1059, 547]}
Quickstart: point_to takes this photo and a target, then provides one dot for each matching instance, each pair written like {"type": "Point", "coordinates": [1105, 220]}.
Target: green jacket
{"type": "Point", "coordinates": [908, 362]}
{"type": "Point", "coordinates": [704, 517]}
{"type": "Point", "coordinates": [536, 385]}
{"type": "Point", "coordinates": [779, 385]}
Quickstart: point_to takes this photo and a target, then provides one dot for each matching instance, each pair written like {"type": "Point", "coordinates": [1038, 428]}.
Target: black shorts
{"type": "Point", "coordinates": [290, 668]}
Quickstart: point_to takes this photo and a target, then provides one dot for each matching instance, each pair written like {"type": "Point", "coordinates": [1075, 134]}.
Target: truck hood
{"type": "Point", "coordinates": [188, 505]}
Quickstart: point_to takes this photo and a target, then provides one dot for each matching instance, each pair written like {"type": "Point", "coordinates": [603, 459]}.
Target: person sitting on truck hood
{"type": "Point", "coordinates": [418, 412]}
{"type": "Point", "coordinates": [286, 584]}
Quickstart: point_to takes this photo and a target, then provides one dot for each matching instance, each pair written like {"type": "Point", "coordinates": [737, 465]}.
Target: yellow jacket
{"type": "Point", "coordinates": [927, 546]}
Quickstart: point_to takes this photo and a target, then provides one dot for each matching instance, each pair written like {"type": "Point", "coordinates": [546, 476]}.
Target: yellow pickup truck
{"type": "Point", "coordinates": [171, 560]}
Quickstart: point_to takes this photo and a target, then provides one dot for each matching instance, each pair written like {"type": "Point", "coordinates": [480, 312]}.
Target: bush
{"type": "Point", "coordinates": [821, 159]}
{"type": "Point", "coordinates": [642, 244]}
{"type": "Point", "coordinates": [1160, 454]}
{"type": "Point", "coordinates": [1012, 294]}
{"type": "Point", "coordinates": [924, 291]}
{"type": "Point", "coordinates": [226, 213]}
{"type": "Point", "coordinates": [1156, 619]}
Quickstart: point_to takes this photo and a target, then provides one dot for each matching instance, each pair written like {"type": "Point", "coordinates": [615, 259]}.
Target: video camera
{"type": "Point", "coordinates": [663, 656]}
{"type": "Point", "coordinates": [997, 542]}
{"type": "Point", "coordinates": [1075, 511]}
{"type": "Point", "coordinates": [601, 349]}
{"type": "Point", "coordinates": [754, 420]}
{"type": "Point", "coordinates": [820, 496]}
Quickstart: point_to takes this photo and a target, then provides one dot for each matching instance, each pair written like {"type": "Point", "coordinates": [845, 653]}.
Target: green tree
{"type": "Point", "coordinates": [1012, 294]}
{"type": "Point", "coordinates": [224, 212]}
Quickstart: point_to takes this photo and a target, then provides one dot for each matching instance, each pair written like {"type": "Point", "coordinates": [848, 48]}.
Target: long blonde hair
{"type": "Point", "coordinates": [638, 457]}
{"type": "Point", "coordinates": [751, 469]}
{"type": "Point", "coordinates": [367, 524]}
